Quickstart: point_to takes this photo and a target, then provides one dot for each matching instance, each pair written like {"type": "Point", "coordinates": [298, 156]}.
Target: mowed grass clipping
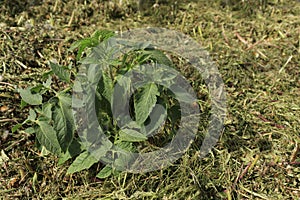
{"type": "Point", "coordinates": [256, 45]}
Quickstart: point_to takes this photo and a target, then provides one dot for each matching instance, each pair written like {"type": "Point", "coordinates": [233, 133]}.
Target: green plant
{"type": "Point", "coordinates": [52, 121]}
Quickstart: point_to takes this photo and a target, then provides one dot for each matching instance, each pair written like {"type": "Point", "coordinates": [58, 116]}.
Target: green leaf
{"type": "Point", "coordinates": [63, 119]}
{"type": "Point", "coordinates": [16, 127]}
{"type": "Point", "coordinates": [84, 161]}
{"type": "Point", "coordinates": [74, 149]}
{"type": "Point", "coordinates": [181, 94]}
{"type": "Point", "coordinates": [46, 136]}
{"type": "Point", "coordinates": [92, 41]}
{"type": "Point", "coordinates": [106, 87]}
{"type": "Point", "coordinates": [74, 45]}
{"type": "Point", "coordinates": [37, 88]}
{"type": "Point", "coordinates": [144, 102]}
{"type": "Point", "coordinates": [80, 44]}
{"type": "Point", "coordinates": [131, 135]}
{"type": "Point", "coordinates": [105, 172]}
{"type": "Point", "coordinates": [131, 125]}
{"type": "Point", "coordinates": [47, 110]}
{"type": "Point", "coordinates": [103, 34]}
{"type": "Point", "coordinates": [121, 94]}
{"type": "Point", "coordinates": [128, 146]}
{"type": "Point", "coordinates": [60, 126]}
{"type": "Point", "coordinates": [31, 99]}
{"type": "Point", "coordinates": [30, 130]}
{"type": "Point", "coordinates": [89, 60]}
{"type": "Point", "coordinates": [23, 104]}
{"type": "Point", "coordinates": [62, 72]}
{"type": "Point", "coordinates": [123, 160]}
{"type": "Point", "coordinates": [137, 45]}
{"type": "Point", "coordinates": [157, 117]}
{"type": "Point", "coordinates": [158, 56]}
{"type": "Point", "coordinates": [32, 115]}
{"type": "Point", "coordinates": [47, 74]}
{"type": "Point", "coordinates": [47, 84]}
{"type": "Point", "coordinates": [77, 86]}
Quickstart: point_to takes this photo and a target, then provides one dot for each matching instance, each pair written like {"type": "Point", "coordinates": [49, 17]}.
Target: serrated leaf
{"type": "Point", "coordinates": [63, 119]}
{"type": "Point", "coordinates": [158, 56]}
{"type": "Point", "coordinates": [145, 101]}
{"type": "Point", "coordinates": [128, 146]}
{"type": "Point", "coordinates": [108, 87]}
{"type": "Point", "coordinates": [103, 34]}
{"type": "Point", "coordinates": [75, 45]}
{"type": "Point", "coordinates": [84, 161]}
{"type": "Point", "coordinates": [86, 43]}
{"type": "Point", "coordinates": [46, 136]}
{"type": "Point", "coordinates": [74, 149]}
{"type": "Point", "coordinates": [92, 41]}
{"type": "Point", "coordinates": [31, 99]}
{"type": "Point", "coordinates": [60, 71]}
{"type": "Point", "coordinates": [105, 172]}
{"type": "Point", "coordinates": [131, 135]}
{"type": "Point", "coordinates": [60, 126]}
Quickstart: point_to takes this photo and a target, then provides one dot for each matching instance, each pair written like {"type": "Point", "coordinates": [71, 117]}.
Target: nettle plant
{"type": "Point", "coordinates": [51, 117]}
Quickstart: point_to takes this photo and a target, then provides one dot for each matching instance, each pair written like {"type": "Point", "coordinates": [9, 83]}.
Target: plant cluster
{"type": "Point", "coordinates": [51, 114]}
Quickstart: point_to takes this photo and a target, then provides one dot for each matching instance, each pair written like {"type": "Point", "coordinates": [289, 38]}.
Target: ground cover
{"type": "Point", "coordinates": [256, 45]}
